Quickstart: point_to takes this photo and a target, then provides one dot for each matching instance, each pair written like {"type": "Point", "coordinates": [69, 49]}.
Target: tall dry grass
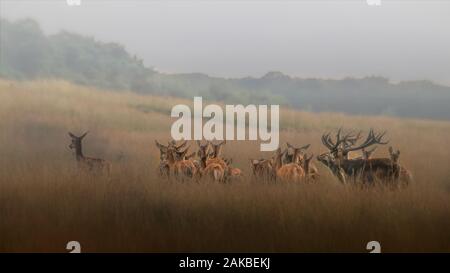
{"type": "Point", "coordinates": [44, 202]}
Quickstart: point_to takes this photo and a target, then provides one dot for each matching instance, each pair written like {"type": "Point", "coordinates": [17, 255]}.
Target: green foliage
{"type": "Point", "coordinates": [28, 54]}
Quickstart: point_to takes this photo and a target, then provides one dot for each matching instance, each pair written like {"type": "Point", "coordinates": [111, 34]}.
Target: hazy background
{"type": "Point", "coordinates": [402, 40]}
{"type": "Point", "coordinates": [321, 56]}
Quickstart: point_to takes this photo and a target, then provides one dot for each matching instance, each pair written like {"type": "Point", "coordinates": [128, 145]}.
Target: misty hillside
{"type": "Point", "coordinates": [27, 53]}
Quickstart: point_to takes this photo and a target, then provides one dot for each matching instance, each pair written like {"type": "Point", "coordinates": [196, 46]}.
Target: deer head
{"type": "Point", "coordinates": [162, 150]}
{"type": "Point", "coordinates": [296, 155]}
{"type": "Point", "coordinates": [261, 167]}
{"type": "Point", "coordinates": [203, 150]}
{"type": "Point", "coordinates": [216, 148]}
{"type": "Point", "coordinates": [228, 161]}
{"type": "Point", "coordinates": [171, 146]}
{"type": "Point", "coordinates": [76, 143]}
{"type": "Point", "coordinates": [181, 155]}
{"type": "Point", "coordinates": [329, 161]}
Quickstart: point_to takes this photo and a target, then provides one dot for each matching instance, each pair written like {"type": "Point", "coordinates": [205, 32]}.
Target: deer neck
{"type": "Point", "coordinates": [306, 166]}
{"type": "Point", "coordinates": [79, 152]}
{"type": "Point", "coordinates": [278, 162]}
{"type": "Point", "coordinates": [170, 158]}
{"type": "Point", "coordinates": [296, 156]}
{"type": "Point", "coordinates": [203, 162]}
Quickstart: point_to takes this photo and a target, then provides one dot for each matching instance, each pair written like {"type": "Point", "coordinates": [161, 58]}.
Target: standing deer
{"type": "Point", "coordinates": [298, 156]}
{"type": "Point", "coordinates": [174, 160]}
{"type": "Point", "coordinates": [366, 169]}
{"type": "Point", "coordinates": [311, 172]}
{"type": "Point", "coordinates": [215, 155]}
{"type": "Point", "coordinates": [232, 172]}
{"type": "Point", "coordinates": [288, 172]}
{"type": "Point", "coordinates": [403, 174]}
{"type": "Point", "coordinates": [180, 167]}
{"type": "Point", "coordinates": [87, 163]}
{"type": "Point", "coordinates": [295, 155]}
{"type": "Point", "coordinates": [262, 168]}
{"type": "Point", "coordinates": [211, 169]}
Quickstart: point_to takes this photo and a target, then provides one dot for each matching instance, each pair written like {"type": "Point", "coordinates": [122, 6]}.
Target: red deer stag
{"type": "Point", "coordinates": [366, 169]}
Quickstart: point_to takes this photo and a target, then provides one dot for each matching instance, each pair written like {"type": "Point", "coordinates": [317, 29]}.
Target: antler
{"type": "Point", "coordinates": [371, 139]}
{"type": "Point", "coordinates": [347, 140]}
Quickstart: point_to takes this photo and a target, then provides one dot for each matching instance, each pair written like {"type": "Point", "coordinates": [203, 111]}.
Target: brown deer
{"type": "Point", "coordinates": [310, 170]}
{"type": "Point", "coordinates": [289, 172]}
{"type": "Point", "coordinates": [213, 170]}
{"type": "Point", "coordinates": [175, 160]}
{"type": "Point", "coordinates": [216, 153]}
{"type": "Point", "coordinates": [365, 169]}
{"type": "Point", "coordinates": [262, 168]}
{"type": "Point", "coordinates": [295, 155]}
{"type": "Point", "coordinates": [180, 167]}
{"type": "Point", "coordinates": [403, 174]}
{"type": "Point", "coordinates": [298, 156]}
{"type": "Point", "coordinates": [164, 168]}
{"type": "Point", "coordinates": [87, 163]}
{"type": "Point", "coordinates": [231, 172]}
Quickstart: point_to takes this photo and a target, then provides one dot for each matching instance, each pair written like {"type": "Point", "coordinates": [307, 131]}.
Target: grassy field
{"type": "Point", "coordinates": [44, 202]}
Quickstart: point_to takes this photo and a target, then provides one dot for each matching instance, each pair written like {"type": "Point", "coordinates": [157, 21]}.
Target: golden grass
{"type": "Point", "coordinates": [44, 202]}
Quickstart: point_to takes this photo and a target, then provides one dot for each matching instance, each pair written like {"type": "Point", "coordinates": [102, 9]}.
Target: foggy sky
{"type": "Point", "coordinates": [402, 40]}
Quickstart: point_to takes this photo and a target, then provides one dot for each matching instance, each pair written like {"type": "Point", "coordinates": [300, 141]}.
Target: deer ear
{"type": "Point", "coordinates": [72, 135]}
{"type": "Point", "coordinates": [306, 146]}
{"type": "Point", "coordinates": [160, 146]}
{"type": "Point", "coordinates": [84, 135]}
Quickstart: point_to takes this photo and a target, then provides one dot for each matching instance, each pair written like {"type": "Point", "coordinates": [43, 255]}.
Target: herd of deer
{"type": "Point", "coordinates": [291, 164]}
